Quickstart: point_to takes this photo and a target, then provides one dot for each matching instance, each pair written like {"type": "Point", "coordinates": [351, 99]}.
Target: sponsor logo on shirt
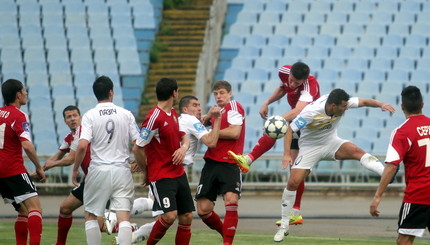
{"type": "Point", "coordinates": [144, 133]}
{"type": "Point", "coordinates": [199, 127]}
{"type": "Point", "coordinates": [300, 122]}
{"type": "Point", "coordinates": [26, 126]}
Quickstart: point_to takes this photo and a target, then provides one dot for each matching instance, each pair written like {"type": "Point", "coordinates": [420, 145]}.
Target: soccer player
{"type": "Point", "coordinates": [109, 129]}
{"type": "Point", "coordinates": [220, 175]}
{"type": "Point", "coordinates": [161, 150]}
{"type": "Point", "coordinates": [317, 124]}
{"type": "Point", "coordinates": [301, 89]}
{"type": "Point", "coordinates": [16, 186]}
{"type": "Point", "coordinates": [72, 118]}
{"type": "Point", "coordinates": [409, 143]}
{"type": "Point", "coordinates": [189, 121]}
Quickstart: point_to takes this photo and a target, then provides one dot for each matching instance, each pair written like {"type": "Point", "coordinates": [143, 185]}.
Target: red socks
{"type": "Point", "coordinates": [299, 195]}
{"type": "Point", "coordinates": [35, 226]}
{"type": "Point", "coordinates": [21, 230]}
{"type": "Point", "coordinates": [64, 224]}
{"type": "Point", "coordinates": [158, 231]}
{"type": "Point", "coordinates": [183, 234]}
{"type": "Point", "coordinates": [230, 223]}
{"type": "Point", "coordinates": [264, 144]}
{"type": "Point", "coordinates": [213, 221]}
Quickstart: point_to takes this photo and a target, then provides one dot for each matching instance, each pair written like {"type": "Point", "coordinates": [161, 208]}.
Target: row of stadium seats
{"type": "Point", "coordinates": [59, 47]}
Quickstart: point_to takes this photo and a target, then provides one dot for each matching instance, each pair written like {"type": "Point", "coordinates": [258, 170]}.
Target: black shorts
{"type": "Point", "coordinates": [78, 191]}
{"type": "Point", "coordinates": [218, 178]}
{"type": "Point", "coordinates": [172, 194]}
{"type": "Point", "coordinates": [16, 187]}
{"type": "Point", "coordinates": [414, 219]}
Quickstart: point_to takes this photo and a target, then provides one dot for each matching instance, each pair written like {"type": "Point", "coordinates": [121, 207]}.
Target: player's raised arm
{"type": "Point", "coordinates": [276, 95]}
{"type": "Point", "coordinates": [211, 139]}
{"type": "Point", "coordinates": [362, 102]}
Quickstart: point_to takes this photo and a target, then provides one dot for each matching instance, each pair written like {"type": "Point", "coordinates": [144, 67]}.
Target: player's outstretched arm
{"type": "Point", "coordinates": [287, 160]}
{"type": "Point", "coordinates": [375, 103]}
{"type": "Point", "coordinates": [277, 94]}
{"type": "Point", "coordinates": [388, 174]}
{"type": "Point", "coordinates": [60, 161]}
{"type": "Point", "coordinates": [32, 155]}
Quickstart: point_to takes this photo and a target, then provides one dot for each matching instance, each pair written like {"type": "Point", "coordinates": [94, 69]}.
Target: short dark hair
{"type": "Point", "coordinates": [185, 101]}
{"type": "Point", "coordinates": [412, 99]}
{"type": "Point", "coordinates": [300, 70]}
{"type": "Point", "coordinates": [165, 87]}
{"type": "Point", "coordinates": [336, 96]}
{"type": "Point", "coordinates": [70, 108]}
{"type": "Point", "coordinates": [221, 84]}
{"type": "Point", "coordinates": [101, 87]}
{"type": "Point", "coordinates": [9, 89]}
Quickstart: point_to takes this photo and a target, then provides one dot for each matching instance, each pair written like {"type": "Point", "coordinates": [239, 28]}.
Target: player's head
{"type": "Point", "coordinates": [167, 88]}
{"type": "Point", "coordinates": [412, 100]}
{"type": "Point", "coordinates": [337, 102]}
{"type": "Point", "coordinates": [13, 90]}
{"type": "Point", "coordinates": [299, 73]}
{"type": "Point", "coordinates": [72, 117]}
{"type": "Point", "coordinates": [190, 105]}
{"type": "Point", "coordinates": [222, 92]}
{"type": "Point", "coordinates": [103, 88]}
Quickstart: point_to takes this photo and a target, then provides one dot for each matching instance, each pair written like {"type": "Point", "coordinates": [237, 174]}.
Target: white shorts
{"type": "Point", "coordinates": [309, 156]}
{"type": "Point", "coordinates": [105, 183]}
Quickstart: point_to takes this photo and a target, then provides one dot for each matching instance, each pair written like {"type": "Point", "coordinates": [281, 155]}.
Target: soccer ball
{"type": "Point", "coordinates": [275, 127]}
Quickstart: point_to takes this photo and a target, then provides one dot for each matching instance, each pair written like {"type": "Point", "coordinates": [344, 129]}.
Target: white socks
{"type": "Point", "coordinates": [124, 233]}
{"type": "Point", "coordinates": [92, 230]}
{"type": "Point", "coordinates": [372, 163]}
{"type": "Point", "coordinates": [287, 202]}
{"type": "Point", "coordinates": [141, 204]}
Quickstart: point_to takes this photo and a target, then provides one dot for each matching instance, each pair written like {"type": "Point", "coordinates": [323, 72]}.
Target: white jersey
{"type": "Point", "coordinates": [110, 129]}
{"type": "Point", "coordinates": [195, 130]}
{"type": "Point", "coordinates": [316, 127]}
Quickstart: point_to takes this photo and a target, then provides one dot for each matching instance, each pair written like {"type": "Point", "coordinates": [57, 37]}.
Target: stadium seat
{"type": "Point", "coordinates": [256, 40]}
{"type": "Point", "coordinates": [381, 63]}
{"type": "Point", "coordinates": [315, 17]}
{"type": "Point", "coordinates": [353, 28]}
{"type": "Point", "coordinates": [364, 7]}
{"type": "Point", "coordinates": [276, 7]}
{"type": "Point", "coordinates": [317, 7]}
{"type": "Point", "coordinates": [358, 63]}
{"type": "Point", "coordinates": [340, 51]}
{"type": "Point", "coordinates": [344, 7]}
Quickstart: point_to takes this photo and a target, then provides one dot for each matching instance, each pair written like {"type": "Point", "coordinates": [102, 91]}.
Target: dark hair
{"type": "Point", "coordinates": [336, 96]}
{"type": "Point", "coordinates": [300, 70]}
{"type": "Point", "coordinates": [70, 108]}
{"type": "Point", "coordinates": [185, 101]}
{"type": "Point", "coordinates": [9, 89]}
{"type": "Point", "coordinates": [412, 99]}
{"type": "Point", "coordinates": [101, 87]}
{"type": "Point", "coordinates": [165, 87]}
{"type": "Point", "coordinates": [221, 84]}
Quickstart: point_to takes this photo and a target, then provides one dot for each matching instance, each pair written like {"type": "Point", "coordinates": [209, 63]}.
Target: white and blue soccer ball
{"type": "Point", "coordinates": [275, 127]}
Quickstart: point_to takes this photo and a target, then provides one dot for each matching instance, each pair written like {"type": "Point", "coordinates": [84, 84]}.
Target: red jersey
{"type": "Point", "coordinates": [14, 128]}
{"type": "Point", "coordinates": [161, 137]}
{"type": "Point", "coordinates": [410, 143]}
{"type": "Point", "coordinates": [67, 145]}
{"type": "Point", "coordinates": [231, 114]}
{"type": "Point", "coordinates": [307, 92]}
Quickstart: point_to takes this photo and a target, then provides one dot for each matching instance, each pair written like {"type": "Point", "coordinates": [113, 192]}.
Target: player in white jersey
{"type": "Point", "coordinates": [109, 129]}
{"type": "Point", "coordinates": [190, 123]}
{"type": "Point", "coordinates": [318, 140]}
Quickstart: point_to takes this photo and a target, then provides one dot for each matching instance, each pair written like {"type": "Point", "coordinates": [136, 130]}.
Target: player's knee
{"type": "Point", "coordinates": [64, 209]}
{"type": "Point", "coordinates": [186, 218]}
{"type": "Point", "coordinates": [170, 217]}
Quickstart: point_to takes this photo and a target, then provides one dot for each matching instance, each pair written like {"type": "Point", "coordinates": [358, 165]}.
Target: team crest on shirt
{"type": "Point", "coordinates": [26, 126]}
{"type": "Point", "coordinates": [199, 127]}
{"type": "Point", "coordinates": [300, 122]}
{"type": "Point", "coordinates": [144, 133]}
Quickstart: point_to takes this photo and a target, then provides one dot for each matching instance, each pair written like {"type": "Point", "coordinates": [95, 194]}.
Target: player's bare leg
{"type": "Point", "coordinates": [405, 239]}
{"type": "Point", "coordinates": [349, 150]}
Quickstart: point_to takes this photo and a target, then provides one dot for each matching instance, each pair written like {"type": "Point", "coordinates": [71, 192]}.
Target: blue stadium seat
{"type": "Point", "coordinates": [353, 29]}
{"type": "Point", "coordinates": [294, 18]}
{"type": "Point", "coordinates": [257, 74]}
{"type": "Point", "coordinates": [361, 18]}
{"type": "Point", "coordinates": [64, 77]}
{"type": "Point", "coordinates": [364, 51]}
{"type": "Point", "coordinates": [278, 40]}
{"type": "Point", "coordinates": [317, 7]}
{"type": "Point", "coordinates": [303, 40]}
{"type": "Point", "coordinates": [314, 18]}
{"type": "Point", "coordinates": [404, 63]}
{"type": "Point", "coordinates": [416, 40]}
{"type": "Point", "coordinates": [421, 26]}
{"type": "Point", "coordinates": [388, 6]}
{"type": "Point", "coordinates": [256, 40]}
{"type": "Point", "coordinates": [62, 91]}
{"type": "Point", "coordinates": [59, 66]}
{"type": "Point", "coordinates": [343, 6]}
{"type": "Point", "coordinates": [38, 90]}
{"type": "Point", "coordinates": [54, 29]}
{"type": "Point", "coordinates": [55, 41]}
{"type": "Point", "coordinates": [408, 18]}
{"type": "Point", "coordinates": [347, 40]}
{"type": "Point", "coordinates": [266, 63]}
{"type": "Point", "coordinates": [325, 40]}
{"type": "Point", "coordinates": [57, 53]}
{"type": "Point", "coordinates": [295, 52]}
{"type": "Point", "coordinates": [375, 75]}
{"type": "Point", "coordinates": [272, 51]}
{"type": "Point", "coordinates": [298, 6]}
{"type": "Point", "coordinates": [321, 52]}
{"type": "Point", "coordinates": [340, 51]}
{"type": "Point", "coordinates": [358, 63]}
{"type": "Point", "coordinates": [393, 40]}
{"type": "Point", "coordinates": [247, 17]}
{"type": "Point", "coordinates": [276, 7]}
{"type": "Point", "coordinates": [308, 29]}
{"type": "Point", "coordinates": [241, 63]}
{"type": "Point", "coordinates": [384, 64]}
{"type": "Point", "coordinates": [337, 17]}
{"type": "Point", "coordinates": [387, 52]}
{"type": "Point", "coordinates": [269, 18]}
{"type": "Point", "coordinates": [364, 7]}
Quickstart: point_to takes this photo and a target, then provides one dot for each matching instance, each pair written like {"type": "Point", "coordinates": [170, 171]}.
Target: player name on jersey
{"type": "Point", "coordinates": [106, 112]}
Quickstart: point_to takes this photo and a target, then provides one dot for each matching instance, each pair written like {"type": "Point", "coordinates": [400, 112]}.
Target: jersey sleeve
{"type": "Point", "coordinates": [193, 126]}
{"type": "Point", "coordinates": [87, 128]}
{"type": "Point", "coordinates": [397, 148]}
{"type": "Point", "coordinates": [306, 96]}
{"type": "Point", "coordinates": [133, 128]}
{"type": "Point", "coordinates": [284, 73]}
{"type": "Point", "coordinates": [149, 129]}
{"type": "Point", "coordinates": [22, 128]}
{"type": "Point", "coordinates": [302, 120]}
{"type": "Point", "coordinates": [65, 146]}
{"type": "Point", "coordinates": [353, 102]}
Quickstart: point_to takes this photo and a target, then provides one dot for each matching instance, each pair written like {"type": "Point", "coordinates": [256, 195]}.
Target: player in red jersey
{"type": "Point", "coordinates": [16, 186]}
{"type": "Point", "coordinates": [160, 150]}
{"type": "Point", "coordinates": [410, 144]}
{"type": "Point", "coordinates": [220, 175]}
{"type": "Point", "coordinates": [301, 89]}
